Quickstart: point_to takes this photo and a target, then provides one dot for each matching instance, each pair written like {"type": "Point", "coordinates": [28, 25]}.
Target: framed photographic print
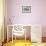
{"type": "Point", "coordinates": [26, 9]}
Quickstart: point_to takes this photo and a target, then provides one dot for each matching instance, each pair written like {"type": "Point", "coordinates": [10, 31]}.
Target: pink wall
{"type": "Point", "coordinates": [38, 15]}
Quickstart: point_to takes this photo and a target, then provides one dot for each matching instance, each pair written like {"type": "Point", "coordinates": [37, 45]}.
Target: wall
{"type": "Point", "coordinates": [38, 15]}
{"type": "Point", "coordinates": [1, 20]}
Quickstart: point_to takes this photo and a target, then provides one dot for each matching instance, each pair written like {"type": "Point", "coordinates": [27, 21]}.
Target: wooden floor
{"type": "Point", "coordinates": [23, 43]}
{"type": "Point", "coordinates": [18, 43]}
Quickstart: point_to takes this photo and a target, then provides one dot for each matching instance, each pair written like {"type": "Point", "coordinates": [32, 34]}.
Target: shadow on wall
{"type": "Point", "coordinates": [44, 34]}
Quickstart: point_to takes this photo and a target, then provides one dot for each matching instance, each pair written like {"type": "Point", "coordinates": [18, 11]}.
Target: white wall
{"type": "Point", "coordinates": [38, 15]}
{"type": "Point", "coordinates": [1, 18]}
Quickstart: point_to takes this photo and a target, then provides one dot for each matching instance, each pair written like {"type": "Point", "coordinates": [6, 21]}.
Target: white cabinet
{"type": "Point", "coordinates": [36, 33]}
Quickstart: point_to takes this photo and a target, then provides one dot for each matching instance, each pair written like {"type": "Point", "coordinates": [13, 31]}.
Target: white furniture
{"type": "Point", "coordinates": [17, 30]}
{"type": "Point", "coordinates": [36, 33]}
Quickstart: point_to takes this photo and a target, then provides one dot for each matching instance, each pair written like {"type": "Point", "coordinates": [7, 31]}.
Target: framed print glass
{"type": "Point", "coordinates": [26, 9]}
